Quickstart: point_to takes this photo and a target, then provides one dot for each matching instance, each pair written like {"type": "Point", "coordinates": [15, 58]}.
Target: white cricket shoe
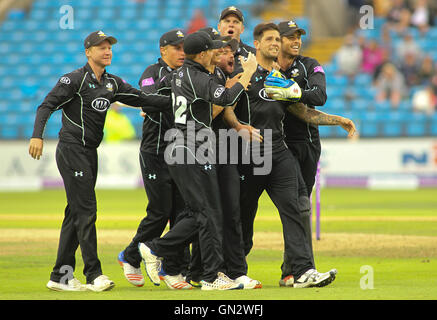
{"type": "Point", "coordinates": [101, 283]}
{"type": "Point", "coordinates": [248, 283]}
{"type": "Point", "coordinates": [176, 282]}
{"type": "Point", "coordinates": [313, 278]}
{"type": "Point", "coordinates": [152, 263]}
{"type": "Point", "coordinates": [222, 282]}
{"type": "Point", "coordinates": [71, 285]}
{"type": "Point", "coordinates": [132, 274]}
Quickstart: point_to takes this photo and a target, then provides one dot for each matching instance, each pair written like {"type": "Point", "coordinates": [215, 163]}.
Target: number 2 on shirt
{"type": "Point", "coordinates": [180, 108]}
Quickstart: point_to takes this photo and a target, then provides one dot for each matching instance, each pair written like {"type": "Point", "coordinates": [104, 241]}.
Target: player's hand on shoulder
{"type": "Point", "coordinates": [231, 81]}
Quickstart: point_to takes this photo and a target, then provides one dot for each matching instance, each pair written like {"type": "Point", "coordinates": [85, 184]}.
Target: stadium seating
{"type": "Point", "coordinates": [36, 51]}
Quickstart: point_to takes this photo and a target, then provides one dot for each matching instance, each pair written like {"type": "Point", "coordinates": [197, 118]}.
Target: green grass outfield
{"type": "Point", "coordinates": [392, 232]}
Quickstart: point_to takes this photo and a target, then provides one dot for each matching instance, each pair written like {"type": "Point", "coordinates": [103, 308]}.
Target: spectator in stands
{"type": "Point", "coordinates": [426, 70]}
{"type": "Point", "coordinates": [349, 57]}
{"type": "Point", "coordinates": [409, 68]}
{"type": "Point", "coordinates": [408, 46]}
{"type": "Point", "coordinates": [395, 12]}
{"type": "Point", "coordinates": [386, 58]}
{"type": "Point", "coordinates": [390, 85]}
{"type": "Point", "coordinates": [373, 56]}
{"type": "Point", "coordinates": [425, 100]}
{"type": "Point", "coordinates": [386, 42]}
{"type": "Point", "coordinates": [118, 126]}
{"type": "Point", "coordinates": [197, 22]}
{"type": "Point", "coordinates": [422, 17]}
{"type": "Point", "coordinates": [399, 16]}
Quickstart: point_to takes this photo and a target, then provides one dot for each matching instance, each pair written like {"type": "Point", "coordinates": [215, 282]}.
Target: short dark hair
{"type": "Point", "coordinates": [260, 28]}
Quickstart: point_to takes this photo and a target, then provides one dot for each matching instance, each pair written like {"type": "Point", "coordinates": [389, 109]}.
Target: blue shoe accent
{"type": "Point", "coordinates": [161, 272]}
{"type": "Point", "coordinates": [121, 257]}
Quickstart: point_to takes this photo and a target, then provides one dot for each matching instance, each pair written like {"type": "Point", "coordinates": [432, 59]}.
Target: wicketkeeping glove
{"type": "Point", "coordinates": [279, 88]}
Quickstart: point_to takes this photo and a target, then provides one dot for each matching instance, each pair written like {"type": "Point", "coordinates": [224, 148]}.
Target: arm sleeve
{"type": "Point", "coordinates": [61, 94]}
{"type": "Point", "coordinates": [315, 95]}
{"type": "Point", "coordinates": [149, 102]}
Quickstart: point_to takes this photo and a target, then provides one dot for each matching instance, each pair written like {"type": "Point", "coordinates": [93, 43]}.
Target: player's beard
{"type": "Point", "coordinates": [270, 53]}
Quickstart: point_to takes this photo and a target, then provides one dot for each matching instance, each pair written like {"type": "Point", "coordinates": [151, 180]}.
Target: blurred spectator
{"type": "Point", "coordinates": [408, 46]}
{"type": "Point", "coordinates": [395, 12]}
{"type": "Point", "coordinates": [198, 21]}
{"type": "Point", "coordinates": [118, 127]}
{"type": "Point", "coordinates": [390, 85]}
{"type": "Point", "coordinates": [409, 68]}
{"type": "Point", "coordinates": [386, 58]}
{"type": "Point", "coordinates": [349, 57]}
{"type": "Point", "coordinates": [425, 100]}
{"type": "Point", "coordinates": [427, 70]}
{"type": "Point", "coordinates": [421, 16]}
{"type": "Point", "coordinates": [399, 16]}
{"type": "Point", "coordinates": [373, 56]}
{"type": "Point", "coordinates": [386, 42]}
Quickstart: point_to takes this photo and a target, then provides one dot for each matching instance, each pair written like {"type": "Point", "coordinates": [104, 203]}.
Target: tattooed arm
{"type": "Point", "coordinates": [317, 117]}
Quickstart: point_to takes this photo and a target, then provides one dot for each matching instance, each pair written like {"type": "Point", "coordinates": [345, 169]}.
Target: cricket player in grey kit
{"type": "Point", "coordinates": [194, 91]}
{"type": "Point", "coordinates": [84, 97]}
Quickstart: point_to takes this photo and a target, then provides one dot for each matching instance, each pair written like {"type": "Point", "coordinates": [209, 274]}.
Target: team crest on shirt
{"type": "Point", "coordinates": [295, 73]}
{"type": "Point", "coordinates": [109, 86]}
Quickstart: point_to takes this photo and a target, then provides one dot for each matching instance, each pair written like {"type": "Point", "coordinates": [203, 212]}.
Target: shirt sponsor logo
{"type": "Point", "coordinates": [147, 82]}
{"type": "Point", "coordinates": [218, 92]}
{"type": "Point", "coordinates": [263, 95]}
{"type": "Point", "coordinates": [100, 104]}
{"type": "Point", "coordinates": [319, 69]}
{"type": "Point", "coordinates": [65, 80]}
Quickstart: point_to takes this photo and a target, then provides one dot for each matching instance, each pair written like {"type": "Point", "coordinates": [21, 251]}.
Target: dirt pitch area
{"type": "Point", "coordinates": [31, 241]}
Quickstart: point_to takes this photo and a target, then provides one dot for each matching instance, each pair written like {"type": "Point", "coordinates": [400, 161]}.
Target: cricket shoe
{"type": "Point", "coordinates": [101, 283]}
{"type": "Point", "coordinates": [72, 285]}
{"type": "Point", "coordinates": [313, 278]}
{"type": "Point", "coordinates": [288, 281]}
{"type": "Point", "coordinates": [195, 284]}
{"type": "Point", "coordinates": [152, 263]}
{"type": "Point", "coordinates": [132, 274]}
{"type": "Point", "coordinates": [222, 282]}
{"type": "Point", "coordinates": [176, 282]}
{"type": "Point", "coordinates": [248, 283]}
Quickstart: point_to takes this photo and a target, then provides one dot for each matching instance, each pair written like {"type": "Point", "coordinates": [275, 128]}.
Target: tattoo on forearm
{"type": "Point", "coordinates": [313, 116]}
